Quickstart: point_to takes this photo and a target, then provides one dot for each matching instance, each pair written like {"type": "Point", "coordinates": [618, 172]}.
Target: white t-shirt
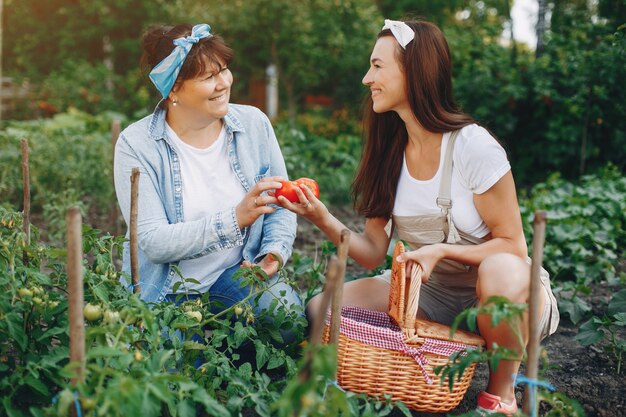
{"type": "Point", "coordinates": [479, 162]}
{"type": "Point", "coordinates": [209, 186]}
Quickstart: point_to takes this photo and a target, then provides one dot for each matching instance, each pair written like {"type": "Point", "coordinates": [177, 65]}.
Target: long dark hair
{"type": "Point", "coordinates": [427, 66]}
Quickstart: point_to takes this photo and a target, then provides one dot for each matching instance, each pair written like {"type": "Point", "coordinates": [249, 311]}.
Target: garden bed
{"type": "Point", "coordinates": [587, 374]}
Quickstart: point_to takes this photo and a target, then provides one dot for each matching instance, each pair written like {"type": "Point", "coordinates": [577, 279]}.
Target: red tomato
{"type": "Point", "coordinates": [289, 192]}
{"type": "Point", "coordinates": [312, 184]}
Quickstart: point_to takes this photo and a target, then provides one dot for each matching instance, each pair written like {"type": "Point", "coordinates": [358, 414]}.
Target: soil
{"type": "Point", "coordinates": [585, 374]}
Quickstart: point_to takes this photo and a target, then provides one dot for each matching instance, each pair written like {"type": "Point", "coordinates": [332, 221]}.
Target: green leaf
{"type": "Point", "coordinates": [576, 308]}
{"type": "Point", "coordinates": [589, 333]}
{"type": "Point", "coordinates": [262, 354]}
{"type": "Point", "coordinates": [275, 362]}
{"type": "Point", "coordinates": [36, 385]}
{"type": "Point", "coordinates": [176, 286]}
{"type": "Point", "coordinates": [11, 412]}
{"type": "Point", "coordinates": [275, 334]}
{"type": "Point", "coordinates": [101, 292]}
{"type": "Point", "coordinates": [16, 330]}
{"type": "Point", "coordinates": [618, 303]}
{"type": "Point", "coordinates": [186, 409]}
{"type": "Point", "coordinates": [103, 352]}
{"type": "Point", "coordinates": [54, 331]}
{"type": "Point", "coordinates": [620, 319]}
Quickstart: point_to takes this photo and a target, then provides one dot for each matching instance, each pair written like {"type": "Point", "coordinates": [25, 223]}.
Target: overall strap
{"type": "Point", "coordinates": [444, 200]}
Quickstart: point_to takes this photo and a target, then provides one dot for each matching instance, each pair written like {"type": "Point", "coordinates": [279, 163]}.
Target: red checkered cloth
{"type": "Point", "coordinates": [376, 328]}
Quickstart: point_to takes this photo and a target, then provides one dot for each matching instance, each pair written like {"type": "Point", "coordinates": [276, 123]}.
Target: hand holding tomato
{"type": "Point", "coordinates": [301, 197]}
{"type": "Point", "coordinates": [255, 203]}
{"type": "Point", "coordinates": [288, 189]}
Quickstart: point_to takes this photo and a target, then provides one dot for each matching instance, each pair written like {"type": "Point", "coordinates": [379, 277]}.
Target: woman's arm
{"type": "Point", "coordinates": [162, 239]}
{"type": "Point", "coordinates": [499, 209]}
{"type": "Point", "coordinates": [279, 227]}
{"type": "Point", "coordinates": [368, 248]}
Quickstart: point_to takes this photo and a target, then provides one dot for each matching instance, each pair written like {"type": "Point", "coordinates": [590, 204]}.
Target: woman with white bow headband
{"type": "Point", "coordinates": [444, 184]}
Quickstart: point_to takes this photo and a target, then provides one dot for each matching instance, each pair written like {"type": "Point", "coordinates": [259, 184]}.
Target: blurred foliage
{"type": "Point", "coordinates": [586, 232]}
{"type": "Point", "coordinates": [563, 111]}
{"type": "Point", "coordinates": [316, 44]}
{"type": "Point", "coordinates": [71, 161]}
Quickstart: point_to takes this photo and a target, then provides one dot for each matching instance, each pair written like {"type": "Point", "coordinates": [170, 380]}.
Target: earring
{"type": "Point", "coordinates": [174, 103]}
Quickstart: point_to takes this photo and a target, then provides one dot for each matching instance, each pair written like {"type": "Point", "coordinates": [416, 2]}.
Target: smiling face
{"type": "Point", "coordinates": [206, 96]}
{"type": "Point", "coordinates": [385, 77]}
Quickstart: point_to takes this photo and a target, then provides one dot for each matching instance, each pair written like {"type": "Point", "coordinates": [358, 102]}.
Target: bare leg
{"type": "Point", "coordinates": [509, 276]}
{"type": "Point", "coordinates": [369, 293]}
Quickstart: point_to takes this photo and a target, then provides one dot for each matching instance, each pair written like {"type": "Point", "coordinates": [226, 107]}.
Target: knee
{"type": "Point", "coordinates": [313, 307]}
{"type": "Point", "coordinates": [503, 274]}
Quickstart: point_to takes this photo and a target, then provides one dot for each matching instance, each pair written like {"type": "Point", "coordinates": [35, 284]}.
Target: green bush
{"type": "Point", "coordinates": [331, 161]}
{"type": "Point", "coordinates": [586, 229]}
{"type": "Point", "coordinates": [70, 159]}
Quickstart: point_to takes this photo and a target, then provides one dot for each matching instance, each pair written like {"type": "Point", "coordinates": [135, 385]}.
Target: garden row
{"type": "Point", "coordinates": [241, 369]}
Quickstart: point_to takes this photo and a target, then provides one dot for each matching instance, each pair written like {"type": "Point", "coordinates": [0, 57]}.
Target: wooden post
{"type": "Point", "coordinates": [114, 217]}
{"type": "Point", "coordinates": [342, 253]}
{"type": "Point", "coordinates": [532, 365]}
{"type": "Point", "coordinates": [75, 291]}
{"type": "Point", "coordinates": [134, 248]}
{"type": "Point", "coordinates": [26, 178]}
{"type": "Point", "coordinates": [329, 290]}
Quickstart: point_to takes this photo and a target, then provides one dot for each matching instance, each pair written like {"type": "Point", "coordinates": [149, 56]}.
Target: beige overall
{"type": "Point", "coordinates": [451, 287]}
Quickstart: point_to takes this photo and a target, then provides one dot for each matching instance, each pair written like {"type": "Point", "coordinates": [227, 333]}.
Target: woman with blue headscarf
{"type": "Point", "coordinates": [206, 167]}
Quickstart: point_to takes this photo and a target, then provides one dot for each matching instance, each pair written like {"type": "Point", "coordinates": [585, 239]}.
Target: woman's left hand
{"type": "Point", "coordinates": [269, 264]}
{"type": "Point", "coordinates": [426, 257]}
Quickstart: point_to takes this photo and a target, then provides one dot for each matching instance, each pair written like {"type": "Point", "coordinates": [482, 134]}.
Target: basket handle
{"type": "Point", "coordinates": [413, 296]}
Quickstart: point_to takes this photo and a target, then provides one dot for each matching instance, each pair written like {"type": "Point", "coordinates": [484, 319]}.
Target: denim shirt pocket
{"type": "Point", "coordinates": [264, 171]}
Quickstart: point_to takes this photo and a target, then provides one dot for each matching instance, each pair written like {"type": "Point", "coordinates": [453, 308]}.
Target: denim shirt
{"type": "Point", "coordinates": [164, 238]}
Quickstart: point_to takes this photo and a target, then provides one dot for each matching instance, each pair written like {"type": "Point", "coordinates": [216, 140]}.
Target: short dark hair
{"type": "Point", "coordinates": [158, 43]}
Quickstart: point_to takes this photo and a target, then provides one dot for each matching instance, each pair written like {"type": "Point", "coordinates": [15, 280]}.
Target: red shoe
{"type": "Point", "coordinates": [492, 404]}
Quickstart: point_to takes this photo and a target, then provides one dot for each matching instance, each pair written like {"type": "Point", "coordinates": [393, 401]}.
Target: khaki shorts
{"type": "Point", "coordinates": [442, 303]}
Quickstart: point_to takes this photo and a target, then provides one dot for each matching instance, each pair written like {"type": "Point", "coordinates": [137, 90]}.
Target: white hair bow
{"type": "Point", "coordinates": [401, 31]}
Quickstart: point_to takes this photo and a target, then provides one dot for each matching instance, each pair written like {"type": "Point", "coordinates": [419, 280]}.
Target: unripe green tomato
{"type": "Point", "coordinates": [111, 317]}
{"type": "Point", "coordinates": [92, 312]}
{"type": "Point", "coordinates": [187, 307]}
{"type": "Point", "coordinates": [238, 310]}
{"type": "Point", "coordinates": [37, 290]}
{"type": "Point", "coordinates": [53, 304]}
{"type": "Point", "coordinates": [138, 355]}
{"type": "Point", "coordinates": [88, 403]}
{"type": "Point", "coordinates": [24, 292]}
{"type": "Point", "coordinates": [194, 315]}
{"type": "Point", "coordinates": [37, 300]}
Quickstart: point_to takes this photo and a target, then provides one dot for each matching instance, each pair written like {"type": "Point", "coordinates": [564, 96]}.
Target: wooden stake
{"type": "Point", "coordinates": [532, 365]}
{"type": "Point", "coordinates": [116, 128]}
{"type": "Point", "coordinates": [114, 216]}
{"type": "Point", "coordinates": [329, 290]}
{"type": "Point", "coordinates": [342, 253]}
{"type": "Point", "coordinates": [26, 178]}
{"type": "Point", "coordinates": [75, 291]}
{"type": "Point", "coordinates": [134, 248]}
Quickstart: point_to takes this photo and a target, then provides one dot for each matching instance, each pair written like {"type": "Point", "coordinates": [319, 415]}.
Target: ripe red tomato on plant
{"type": "Point", "coordinates": [288, 190]}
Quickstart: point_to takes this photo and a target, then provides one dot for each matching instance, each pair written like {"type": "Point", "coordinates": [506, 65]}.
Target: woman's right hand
{"type": "Point", "coordinates": [309, 207]}
{"type": "Point", "coordinates": [255, 203]}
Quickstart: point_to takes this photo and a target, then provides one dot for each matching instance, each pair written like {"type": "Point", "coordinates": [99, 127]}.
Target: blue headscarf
{"type": "Point", "coordinates": [164, 74]}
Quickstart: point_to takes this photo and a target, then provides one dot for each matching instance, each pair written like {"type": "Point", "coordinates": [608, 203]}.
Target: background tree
{"type": "Point", "coordinates": [314, 44]}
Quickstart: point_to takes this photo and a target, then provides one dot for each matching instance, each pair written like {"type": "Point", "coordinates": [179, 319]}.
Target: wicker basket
{"type": "Point", "coordinates": [405, 374]}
